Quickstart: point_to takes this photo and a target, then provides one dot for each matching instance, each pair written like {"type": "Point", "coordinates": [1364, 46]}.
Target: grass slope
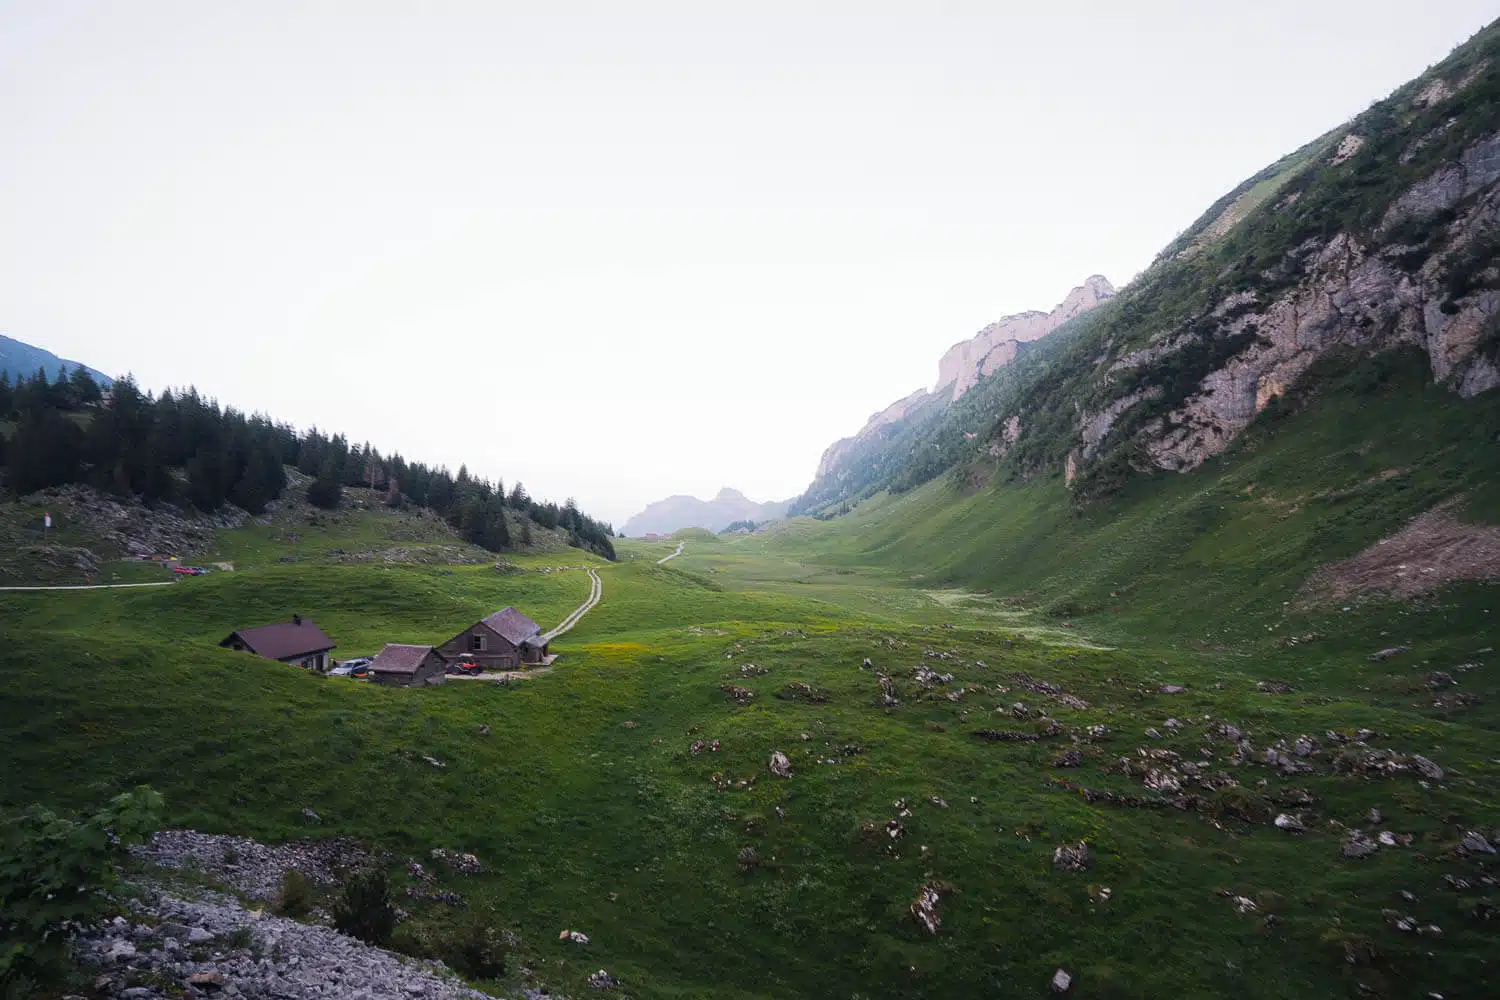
{"type": "Point", "coordinates": [590, 809]}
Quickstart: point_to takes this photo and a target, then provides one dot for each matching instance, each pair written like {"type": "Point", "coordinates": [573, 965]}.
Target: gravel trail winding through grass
{"type": "Point", "coordinates": [596, 591]}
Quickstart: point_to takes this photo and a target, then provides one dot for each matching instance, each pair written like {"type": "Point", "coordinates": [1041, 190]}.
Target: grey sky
{"type": "Point", "coordinates": [621, 255]}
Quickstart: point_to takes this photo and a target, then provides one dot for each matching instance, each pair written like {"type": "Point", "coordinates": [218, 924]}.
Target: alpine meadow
{"type": "Point", "coordinates": [1151, 654]}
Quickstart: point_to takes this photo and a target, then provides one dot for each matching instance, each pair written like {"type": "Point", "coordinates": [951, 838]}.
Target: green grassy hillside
{"type": "Point", "coordinates": [1345, 463]}
{"type": "Point", "coordinates": [590, 808]}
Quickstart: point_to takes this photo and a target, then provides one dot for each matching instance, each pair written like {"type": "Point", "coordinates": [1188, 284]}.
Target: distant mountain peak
{"type": "Point", "coordinates": [677, 512]}
{"type": "Point", "coordinates": [21, 360]}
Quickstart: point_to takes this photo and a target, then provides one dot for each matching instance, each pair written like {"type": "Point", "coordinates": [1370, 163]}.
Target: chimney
{"type": "Point", "coordinates": [296, 619]}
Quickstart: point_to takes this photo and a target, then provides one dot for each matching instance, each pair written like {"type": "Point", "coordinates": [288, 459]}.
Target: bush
{"type": "Point", "coordinates": [324, 493]}
{"type": "Point", "coordinates": [476, 950]}
{"type": "Point", "coordinates": [56, 871]}
{"type": "Point", "coordinates": [295, 898]}
{"type": "Point", "coordinates": [364, 909]}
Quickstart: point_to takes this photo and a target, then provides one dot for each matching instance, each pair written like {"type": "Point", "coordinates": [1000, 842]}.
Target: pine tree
{"type": "Point", "coordinates": [85, 390]}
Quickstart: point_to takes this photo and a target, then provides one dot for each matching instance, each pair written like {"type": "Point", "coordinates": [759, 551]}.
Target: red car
{"type": "Point", "coordinates": [189, 570]}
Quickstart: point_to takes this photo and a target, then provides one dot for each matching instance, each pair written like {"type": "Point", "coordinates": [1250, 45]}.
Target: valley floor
{"type": "Point", "coordinates": [941, 744]}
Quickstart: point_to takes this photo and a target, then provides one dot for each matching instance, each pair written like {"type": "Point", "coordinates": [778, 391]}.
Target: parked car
{"type": "Point", "coordinates": [361, 671]}
{"type": "Point", "coordinates": [356, 661]}
{"type": "Point", "coordinates": [189, 570]}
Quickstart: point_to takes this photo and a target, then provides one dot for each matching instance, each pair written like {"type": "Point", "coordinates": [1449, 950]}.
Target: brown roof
{"type": "Point", "coordinates": [513, 625]}
{"type": "Point", "coordinates": [399, 658]}
{"type": "Point", "coordinates": [282, 641]}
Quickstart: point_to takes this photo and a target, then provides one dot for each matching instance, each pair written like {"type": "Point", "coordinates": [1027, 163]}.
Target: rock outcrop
{"type": "Point", "coordinates": [1355, 295]}
{"type": "Point", "coordinates": [995, 346]}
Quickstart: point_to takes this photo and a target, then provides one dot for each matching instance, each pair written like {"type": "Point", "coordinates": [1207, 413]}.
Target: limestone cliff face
{"type": "Point", "coordinates": [995, 346]}
{"type": "Point", "coordinates": [1363, 295]}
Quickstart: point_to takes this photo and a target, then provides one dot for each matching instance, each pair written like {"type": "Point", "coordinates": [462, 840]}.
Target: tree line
{"type": "Point", "coordinates": [181, 448]}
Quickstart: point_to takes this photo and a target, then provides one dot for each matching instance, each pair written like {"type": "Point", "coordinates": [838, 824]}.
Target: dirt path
{"type": "Point", "coordinates": [502, 676]}
{"type": "Point", "coordinates": [672, 555]}
{"type": "Point", "coordinates": [96, 586]}
{"type": "Point", "coordinates": [596, 591]}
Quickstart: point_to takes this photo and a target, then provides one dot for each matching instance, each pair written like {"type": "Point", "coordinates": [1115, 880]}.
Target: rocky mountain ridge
{"type": "Point", "coordinates": [674, 513]}
{"type": "Point", "coordinates": [1382, 235]}
{"type": "Point", "coordinates": [965, 363]}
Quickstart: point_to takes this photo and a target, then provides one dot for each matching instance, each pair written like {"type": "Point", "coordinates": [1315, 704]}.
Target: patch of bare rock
{"type": "Point", "coordinates": [1433, 550]}
{"type": "Point", "coordinates": [215, 947]}
{"type": "Point", "coordinates": [250, 867]}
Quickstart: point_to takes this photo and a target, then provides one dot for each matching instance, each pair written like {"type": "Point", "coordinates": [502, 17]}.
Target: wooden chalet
{"type": "Point", "coordinates": [502, 641]}
{"type": "Point", "coordinates": [298, 642]}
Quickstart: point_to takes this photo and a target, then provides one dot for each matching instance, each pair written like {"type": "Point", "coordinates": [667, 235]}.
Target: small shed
{"type": "Point", "coordinates": [298, 642]}
{"type": "Point", "coordinates": [401, 665]}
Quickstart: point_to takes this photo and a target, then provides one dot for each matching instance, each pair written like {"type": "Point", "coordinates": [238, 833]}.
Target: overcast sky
{"type": "Point", "coordinates": [620, 256]}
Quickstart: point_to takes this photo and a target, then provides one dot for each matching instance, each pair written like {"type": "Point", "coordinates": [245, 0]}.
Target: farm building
{"type": "Point", "coordinates": [401, 665]}
{"type": "Point", "coordinates": [298, 642]}
{"type": "Point", "coordinates": [502, 641]}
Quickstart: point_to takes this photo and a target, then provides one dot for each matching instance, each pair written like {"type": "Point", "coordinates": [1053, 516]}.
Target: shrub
{"type": "Point", "coordinates": [295, 898]}
{"type": "Point", "coordinates": [324, 493]}
{"type": "Point", "coordinates": [56, 871]}
{"type": "Point", "coordinates": [364, 908]}
{"type": "Point", "coordinates": [476, 950]}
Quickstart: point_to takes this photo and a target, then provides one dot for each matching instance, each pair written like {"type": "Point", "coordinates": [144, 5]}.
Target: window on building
{"type": "Point", "coordinates": [476, 642]}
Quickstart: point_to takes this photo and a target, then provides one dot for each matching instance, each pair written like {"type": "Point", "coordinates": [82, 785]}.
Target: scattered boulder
{"type": "Point", "coordinates": [1068, 758]}
{"type": "Point", "coordinates": [741, 695]}
{"type": "Point", "coordinates": [464, 864]}
{"type": "Point", "coordinates": [1426, 768]}
{"type": "Point", "coordinates": [576, 937]}
{"type": "Point", "coordinates": [310, 816]}
{"type": "Point", "coordinates": [780, 765]}
{"type": "Point", "coordinates": [924, 908]}
{"type": "Point", "coordinates": [802, 691]}
{"type": "Point", "coordinates": [1289, 823]}
{"type": "Point", "coordinates": [1274, 687]}
{"type": "Point", "coordinates": [1172, 689]}
{"type": "Point", "coordinates": [1475, 843]}
{"type": "Point", "coordinates": [206, 981]}
{"type": "Point", "coordinates": [1061, 980]}
{"type": "Point", "coordinates": [602, 980]}
{"type": "Point", "coordinates": [1224, 731]}
{"type": "Point", "coordinates": [749, 859]}
{"type": "Point", "coordinates": [1385, 654]}
{"type": "Point", "coordinates": [1071, 857]}
{"type": "Point", "coordinates": [1358, 845]}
